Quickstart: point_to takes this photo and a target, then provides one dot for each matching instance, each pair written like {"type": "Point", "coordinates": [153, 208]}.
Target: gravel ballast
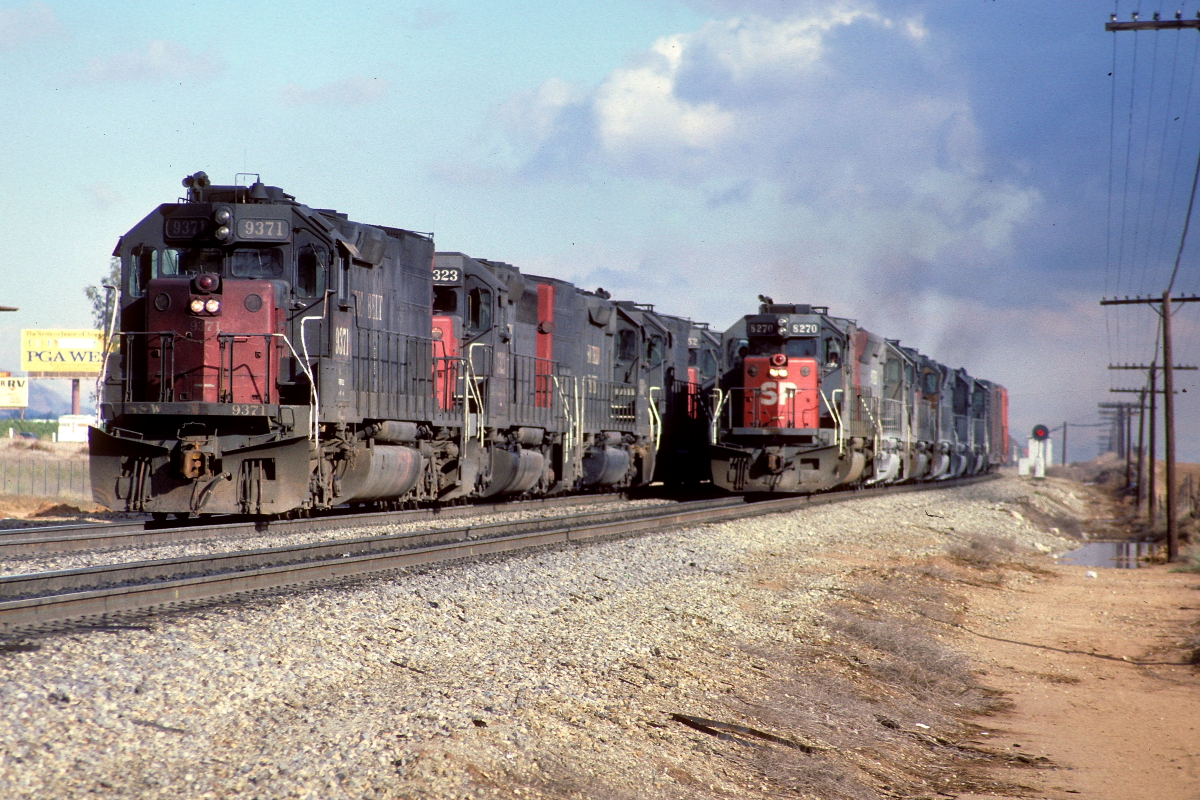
{"type": "Point", "coordinates": [552, 673]}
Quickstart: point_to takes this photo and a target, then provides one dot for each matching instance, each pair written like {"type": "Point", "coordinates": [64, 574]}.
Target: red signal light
{"type": "Point", "coordinates": [1041, 432]}
{"type": "Point", "coordinates": [778, 360]}
{"type": "Point", "coordinates": [207, 282]}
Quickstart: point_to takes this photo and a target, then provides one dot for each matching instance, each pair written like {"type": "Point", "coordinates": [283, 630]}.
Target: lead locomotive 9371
{"type": "Point", "coordinates": [271, 357]}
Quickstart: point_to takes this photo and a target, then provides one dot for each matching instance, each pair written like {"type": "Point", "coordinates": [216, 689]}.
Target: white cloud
{"type": "Point", "coordinates": [159, 61]}
{"type": "Point", "coordinates": [842, 123]}
{"type": "Point", "coordinates": [20, 25]}
{"type": "Point", "coordinates": [638, 112]}
{"type": "Point", "coordinates": [354, 91]}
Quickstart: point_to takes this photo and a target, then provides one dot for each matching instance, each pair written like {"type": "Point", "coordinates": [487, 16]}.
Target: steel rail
{"type": "Point", "coordinates": [29, 614]}
{"type": "Point", "coordinates": [60, 581]}
{"type": "Point", "coordinates": [105, 536]}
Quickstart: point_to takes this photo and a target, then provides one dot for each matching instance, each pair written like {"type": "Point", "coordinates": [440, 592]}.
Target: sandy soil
{"type": "Point", "coordinates": [1101, 675]}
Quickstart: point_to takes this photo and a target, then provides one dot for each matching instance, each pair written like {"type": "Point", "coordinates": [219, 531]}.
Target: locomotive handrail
{"type": "Point", "coordinates": [573, 435]}
{"type": "Point", "coordinates": [315, 432]}
{"type": "Point", "coordinates": [838, 429]}
{"type": "Point", "coordinates": [875, 422]}
{"type": "Point", "coordinates": [226, 341]}
{"type": "Point", "coordinates": [721, 398]}
{"type": "Point", "coordinates": [110, 296]}
{"type": "Point", "coordinates": [655, 419]}
{"type": "Point", "coordinates": [166, 375]}
{"type": "Point", "coordinates": [961, 421]}
{"type": "Point", "coordinates": [891, 416]}
{"type": "Point", "coordinates": [471, 392]}
{"type": "Point", "coordinates": [312, 432]}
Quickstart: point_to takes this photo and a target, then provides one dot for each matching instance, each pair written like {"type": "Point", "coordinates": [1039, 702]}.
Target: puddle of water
{"type": "Point", "coordinates": [1121, 555]}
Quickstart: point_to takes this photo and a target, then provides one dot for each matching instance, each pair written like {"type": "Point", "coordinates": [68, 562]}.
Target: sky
{"type": "Point", "coordinates": [968, 176]}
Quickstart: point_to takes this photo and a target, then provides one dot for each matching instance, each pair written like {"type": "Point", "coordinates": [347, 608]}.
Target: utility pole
{"type": "Point", "coordinates": [1152, 497]}
{"type": "Point", "coordinates": [1152, 24]}
{"type": "Point", "coordinates": [1064, 454]}
{"type": "Point", "coordinates": [1137, 503]}
{"type": "Point", "coordinates": [1153, 391]}
{"type": "Point", "coordinates": [1169, 412]}
{"type": "Point", "coordinates": [1164, 311]}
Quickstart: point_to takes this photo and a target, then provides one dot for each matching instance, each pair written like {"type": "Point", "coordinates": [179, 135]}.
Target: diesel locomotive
{"type": "Point", "coordinates": [809, 401]}
{"type": "Point", "coordinates": [272, 358]}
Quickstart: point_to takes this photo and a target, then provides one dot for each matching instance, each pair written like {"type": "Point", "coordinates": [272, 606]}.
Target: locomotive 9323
{"type": "Point", "coordinates": [271, 357]}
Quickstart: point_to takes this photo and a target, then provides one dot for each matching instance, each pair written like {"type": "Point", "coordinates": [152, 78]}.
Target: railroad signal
{"type": "Point", "coordinates": [1041, 432]}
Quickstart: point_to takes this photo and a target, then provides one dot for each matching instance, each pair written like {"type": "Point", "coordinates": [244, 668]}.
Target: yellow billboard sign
{"type": "Point", "coordinates": [62, 353]}
{"type": "Point", "coordinates": [14, 392]}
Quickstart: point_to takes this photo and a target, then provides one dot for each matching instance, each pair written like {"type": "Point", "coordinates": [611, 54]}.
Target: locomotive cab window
{"type": "Point", "coordinates": [196, 261]}
{"type": "Point", "coordinates": [445, 299]}
{"type": "Point", "coordinates": [626, 345]}
{"type": "Point", "coordinates": [833, 352]}
{"type": "Point", "coordinates": [738, 348]}
{"type": "Point", "coordinates": [792, 348]}
{"type": "Point", "coordinates": [311, 265]}
{"type": "Point", "coordinates": [256, 262]}
{"type": "Point", "coordinates": [800, 348]}
{"type": "Point", "coordinates": [708, 364]}
{"type": "Point", "coordinates": [655, 351]}
{"type": "Point", "coordinates": [891, 372]}
{"type": "Point", "coordinates": [479, 310]}
{"type": "Point", "coordinates": [929, 384]}
{"type": "Point", "coordinates": [143, 267]}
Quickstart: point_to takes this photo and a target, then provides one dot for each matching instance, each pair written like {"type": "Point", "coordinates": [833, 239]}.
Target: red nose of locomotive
{"type": "Point", "coordinates": [779, 392]}
{"type": "Point", "coordinates": [211, 340]}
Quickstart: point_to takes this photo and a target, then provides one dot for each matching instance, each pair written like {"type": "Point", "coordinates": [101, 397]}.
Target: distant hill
{"type": "Point", "coordinates": [45, 402]}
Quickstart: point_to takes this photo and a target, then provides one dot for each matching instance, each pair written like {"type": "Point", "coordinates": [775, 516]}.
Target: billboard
{"type": "Point", "coordinates": [62, 353]}
{"type": "Point", "coordinates": [14, 392]}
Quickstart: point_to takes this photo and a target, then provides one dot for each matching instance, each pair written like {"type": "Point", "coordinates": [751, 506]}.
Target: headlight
{"type": "Point", "coordinates": [222, 232]}
{"type": "Point", "coordinates": [196, 306]}
{"type": "Point", "coordinates": [212, 305]}
{"type": "Point", "coordinates": [223, 216]}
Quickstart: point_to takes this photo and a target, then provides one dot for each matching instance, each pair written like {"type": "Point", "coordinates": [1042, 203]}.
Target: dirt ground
{"type": "Point", "coordinates": [1101, 675]}
{"type": "Point", "coordinates": [1101, 667]}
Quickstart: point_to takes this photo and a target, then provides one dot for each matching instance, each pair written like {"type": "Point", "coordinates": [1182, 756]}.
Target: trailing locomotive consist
{"type": "Point", "coordinates": [272, 358]}
{"type": "Point", "coordinates": [809, 401]}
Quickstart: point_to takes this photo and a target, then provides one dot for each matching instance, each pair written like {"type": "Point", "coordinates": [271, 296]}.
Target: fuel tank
{"type": "Point", "coordinates": [381, 472]}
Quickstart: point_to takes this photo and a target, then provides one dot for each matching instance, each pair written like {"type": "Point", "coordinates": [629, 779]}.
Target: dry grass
{"type": "Point", "coordinates": [984, 552]}
{"type": "Point", "coordinates": [887, 705]}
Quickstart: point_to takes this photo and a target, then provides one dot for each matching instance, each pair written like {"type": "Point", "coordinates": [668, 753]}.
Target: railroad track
{"type": "Point", "coordinates": [39, 602]}
{"type": "Point", "coordinates": [105, 536]}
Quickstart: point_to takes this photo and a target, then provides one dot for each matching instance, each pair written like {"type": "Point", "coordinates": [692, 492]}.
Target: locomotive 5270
{"type": "Point", "coordinates": [272, 357]}
{"type": "Point", "coordinates": [811, 401]}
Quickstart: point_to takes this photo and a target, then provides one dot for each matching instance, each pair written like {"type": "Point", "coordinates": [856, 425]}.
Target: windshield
{"type": "Point", "coordinates": [792, 348]}
{"type": "Point", "coordinates": [257, 262]}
